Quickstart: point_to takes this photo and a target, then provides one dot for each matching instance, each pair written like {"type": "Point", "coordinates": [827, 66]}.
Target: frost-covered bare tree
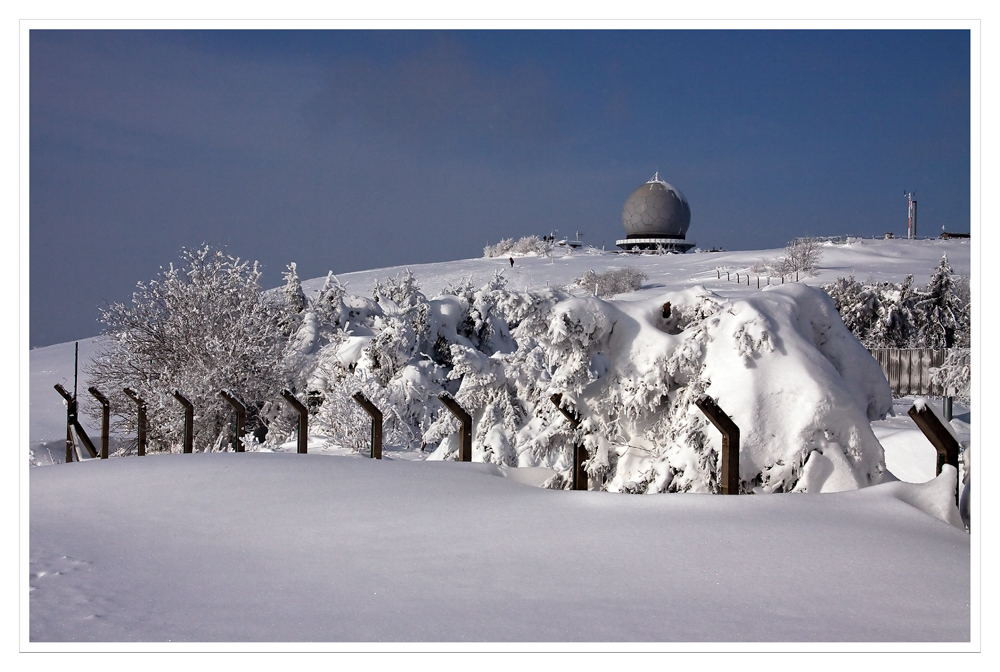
{"type": "Point", "coordinates": [197, 328]}
{"type": "Point", "coordinates": [801, 256]}
{"type": "Point", "coordinates": [615, 281]}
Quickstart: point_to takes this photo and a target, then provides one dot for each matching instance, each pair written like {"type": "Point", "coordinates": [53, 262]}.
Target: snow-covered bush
{"type": "Point", "coordinates": [615, 281]}
{"type": "Point", "coordinates": [200, 328]}
{"type": "Point", "coordinates": [954, 376]}
{"type": "Point", "coordinates": [526, 246]}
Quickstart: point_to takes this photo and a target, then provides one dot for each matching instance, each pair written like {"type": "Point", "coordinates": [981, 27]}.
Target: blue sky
{"type": "Point", "coordinates": [347, 150]}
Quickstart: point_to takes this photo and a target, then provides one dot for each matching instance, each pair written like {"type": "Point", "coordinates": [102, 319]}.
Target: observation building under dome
{"type": "Point", "coordinates": [656, 217]}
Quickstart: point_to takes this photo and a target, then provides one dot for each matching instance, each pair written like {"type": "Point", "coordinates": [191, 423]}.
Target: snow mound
{"type": "Point", "coordinates": [936, 497]}
{"type": "Point", "coordinates": [800, 387]}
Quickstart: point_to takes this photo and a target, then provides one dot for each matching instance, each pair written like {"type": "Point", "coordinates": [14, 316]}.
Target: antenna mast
{"type": "Point", "coordinates": [911, 215]}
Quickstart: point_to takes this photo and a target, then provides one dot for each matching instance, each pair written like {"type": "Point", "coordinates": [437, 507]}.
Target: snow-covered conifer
{"type": "Point", "coordinates": [939, 310]}
{"type": "Point", "coordinates": [954, 376]}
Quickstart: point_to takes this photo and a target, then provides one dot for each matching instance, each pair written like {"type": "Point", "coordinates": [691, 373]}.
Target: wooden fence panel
{"type": "Point", "coordinates": [908, 370]}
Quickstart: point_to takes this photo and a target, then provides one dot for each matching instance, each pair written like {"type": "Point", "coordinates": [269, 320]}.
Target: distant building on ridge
{"type": "Point", "coordinates": [656, 217]}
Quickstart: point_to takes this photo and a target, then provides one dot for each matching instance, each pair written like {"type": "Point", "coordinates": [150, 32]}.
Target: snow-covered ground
{"type": "Point", "coordinates": [313, 548]}
{"type": "Point", "coordinates": [332, 547]}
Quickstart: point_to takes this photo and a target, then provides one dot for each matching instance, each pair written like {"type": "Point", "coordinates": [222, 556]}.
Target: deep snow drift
{"type": "Point", "coordinates": [314, 548]}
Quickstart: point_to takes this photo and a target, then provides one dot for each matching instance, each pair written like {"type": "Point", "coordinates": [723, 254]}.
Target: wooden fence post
{"type": "Point", "coordinates": [73, 422]}
{"type": "Point", "coordinates": [939, 436]}
{"type": "Point", "coordinates": [70, 416]}
{"type": "Point", "coordinates": [465, 435]}
{"type": "Point", "coordinates": [141, 431]}
{"type": "Point", "coordinates": [580, 479]}
{"type": "Point", "coordinates": [105, 417]}
{"type": "Point", "coordinates": [303, 434]}
{"type": "Point", "coordinates": [376, 416]}
{"type": "Point", "coordinates": [241, 417]}
{"type": "Point", "coordinates": [729, 480]}
{"type": "Point", "coordinates": [188, 421]}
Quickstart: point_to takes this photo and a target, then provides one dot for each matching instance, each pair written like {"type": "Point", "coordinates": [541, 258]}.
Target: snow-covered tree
{"type": "Point", "coordinates": [954, 376]}
{"type": "Point", "coordinates": [801, 255]}
{"type": "Point", "coordinates": [889, 315]}
{"type": "Point", "coordinates": [198, 328]}
{"type": "Point", "coordinates": [528, 245]}
{"type": "Point", "coordinates": [939, 310]}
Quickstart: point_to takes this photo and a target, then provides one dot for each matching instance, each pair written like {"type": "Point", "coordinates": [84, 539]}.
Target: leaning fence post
{"type": "Point", "coordinates": [303, 435]}
{"type": "Point", "coordinates": [70, 416]}
{"type": "Point", "coordinates": [376, 416]}
{"type": "Point", "coordinates": [73, 422]}
{"type": "Point", "coordinates": [465, 435]}
{"type": "Point", "coordinates": [141, 432]}
{"type": "Point", "coordinates": [241, 417]}
{"type": "Point", "coordinates": [188, 421]}
{"type": "Point", "coordinates": [580, 478]}
{"type": "Point", "coordinates": [105, 415]}
{"type": "Point", "coordinates": [939, 436]}
{"type": "Point", "coordinates": [730, 477]}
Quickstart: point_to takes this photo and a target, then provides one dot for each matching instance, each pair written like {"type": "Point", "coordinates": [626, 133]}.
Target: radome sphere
{"type": "Point", "coordinates": [656, 209]}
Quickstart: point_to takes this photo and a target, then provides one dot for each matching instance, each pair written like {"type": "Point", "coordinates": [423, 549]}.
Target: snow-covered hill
{"type": "Point", "coordinates": [332, 547]}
